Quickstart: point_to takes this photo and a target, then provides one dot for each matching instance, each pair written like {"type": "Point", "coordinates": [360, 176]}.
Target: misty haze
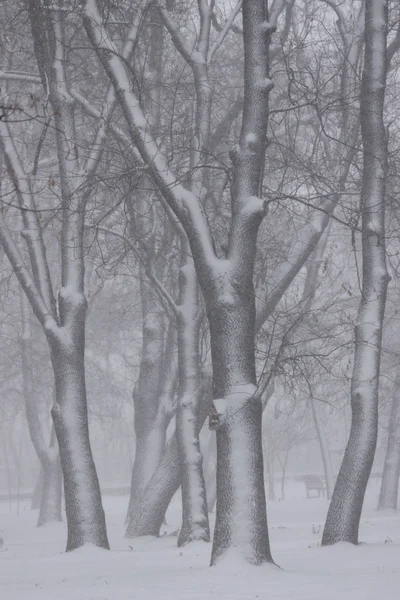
{"type": "Point", "coordinates": [199, 299]}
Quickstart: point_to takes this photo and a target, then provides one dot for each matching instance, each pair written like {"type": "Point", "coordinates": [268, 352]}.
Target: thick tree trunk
{"type": "Point", "coordinates": [241, 518]}
{"type": "Point", "coordinates": [83, 505]}
{"type": "Point", "coordinates": [342, 523]}
{"type": "Point", "coordinates": [391, 469]}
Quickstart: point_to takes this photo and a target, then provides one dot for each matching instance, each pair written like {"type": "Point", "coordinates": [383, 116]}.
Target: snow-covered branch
{"type": "Point", "coordinates": [30, 216]}
{"type": "Point", "coordinates": [42, 312]}
{"type": "Point", "coordinates": [224, 31]}
{"type": "Point", "coordinates": [183, 202]}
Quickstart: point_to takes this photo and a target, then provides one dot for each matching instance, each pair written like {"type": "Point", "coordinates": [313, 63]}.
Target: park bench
{"type": "Point", "coordinates": [314, 483]}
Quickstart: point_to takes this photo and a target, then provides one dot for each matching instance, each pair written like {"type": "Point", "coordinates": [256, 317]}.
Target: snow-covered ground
{"type": "Point", "coordinates": [34, 566]}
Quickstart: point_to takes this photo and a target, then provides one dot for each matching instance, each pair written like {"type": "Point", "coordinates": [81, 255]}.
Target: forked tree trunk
{"type": "Point", "coordinates": [391, 469]}
{"type": "Point", "coordinates": [227, 284]}
{"type": "Point", "coordinates": [342, 523]}
{"type": "Point", "coordinates": [85, 514]}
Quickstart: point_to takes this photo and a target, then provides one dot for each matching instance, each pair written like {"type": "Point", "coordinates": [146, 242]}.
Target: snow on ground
{"type": "Point", "coordinates": [33, 565]}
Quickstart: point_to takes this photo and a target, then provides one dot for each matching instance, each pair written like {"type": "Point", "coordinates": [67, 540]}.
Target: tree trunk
{"type": "Point", "coordinates": [211, 487]}
{"type": "Point", "coordinates": [241, 519]}
{"type": "Point", "coordinates": [342, 523]}
{"type": "Point", "coordinates": [50, 478]}
{"type": "Point", "coordinates": [323, 446]}
{"type": "Point", "coordinates": [148, 517]}
{"type": "Point", "coordinates": [195, 524]}
{"type": "Point", "coordinates": [151, 419]}
{"type": "Point", "coordinates": [150, 448]}
{"type": "Point", "coordinates": [37, 492]}
{"type": "Point", "coordinates": [84, 509]}
{"type": "Point", "coordinates": [50, 504]}
{"type": "Point", "coordinates": [269, 459]}
{"type": "Point", "coordinates": [391, 469]}
{"type": "Point", "coordinates": [147, 520]}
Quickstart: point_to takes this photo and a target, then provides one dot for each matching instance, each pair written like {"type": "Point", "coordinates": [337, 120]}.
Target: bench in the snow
{"type": "Point", "coordinates": [314, 483]}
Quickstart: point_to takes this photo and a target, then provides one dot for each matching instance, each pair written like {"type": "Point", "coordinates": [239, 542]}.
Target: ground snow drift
{"type": "Point", "coordinates": [33, 565]}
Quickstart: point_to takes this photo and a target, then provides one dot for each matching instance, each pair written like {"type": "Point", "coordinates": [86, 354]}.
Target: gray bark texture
{"type": "Point", "coordinates": [241, 518]}
{"type": "Point", "coordinates": [150, 420]}
{"type": "Point", "coordinates": [391, 468]}
{"type": "Point", "coordinates": [149, 517]}
{"type": "Point", "coordinates": [342, 523]}
{"type": "Point", "coordinates": [227, 284]}
{"type": "Point", "coordinates": [83, 505]}
{"type": "Point", "coordinates": [195, 524]}
{"type": "Point", "coordinates": [50, 480]}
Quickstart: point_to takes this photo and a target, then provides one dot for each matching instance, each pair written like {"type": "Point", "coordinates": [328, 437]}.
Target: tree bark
{"type": "Point", "coordinates": [241, 520]}
{"type": "Point", "coordinates": [50, 504]}
{"type": "Point", "coordinates": [37, 492]}
{"type": "Point", "coordinates": [391, 469]}
{"type": "Point", "coordinates": [50, 478]}
{"type": "Point", "coordinates": [227, 284]}
{"type": "Point", "coordinates": [195, 524]}
{"type": "Point", "coordinates": [342, 523]}
{"type": "Point", "coordinates": [150, 420]}
{"type": "Point", "coordinates": [85, 514]}
{"type": "Point", "coordinates": [155, 499]}
{"type": "Point", "coordinates": [164, 483]}
{"type": "Point", "coordinates": [323, 446]}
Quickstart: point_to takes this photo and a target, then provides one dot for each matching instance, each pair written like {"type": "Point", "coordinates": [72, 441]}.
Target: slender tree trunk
{"type": "Point", "coordinates": [195, 524]}
{"type": "Point", "coordinates": [154, 501]}
{"type": "Point", "coordinates": [150, 422]}
{"type": "Point", "coordinates": [50, 478]}
{"type": "Point", "coordinates": [152, 388]}
{"type": "Point", "coordinates": [147, 520]}
{"type": "Point", "coordinates": [323, 446]}
{"type": "Point", "coordinates": [283, 481]}
{"type": "Point", "coordinates": [85, 514]}
{"type": "Point", "coordinates": [342, 523]}
{"type": "Point", "coordinates": [37, 492]}
{"type": "Point", "coordinates": [269, 463]}
{"type": "Point", "coordinates": [211, 487]}
{"type": "Point", "coordinates": [50, 505]}
{"type": "Point", "coordinates": [391, 469]}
